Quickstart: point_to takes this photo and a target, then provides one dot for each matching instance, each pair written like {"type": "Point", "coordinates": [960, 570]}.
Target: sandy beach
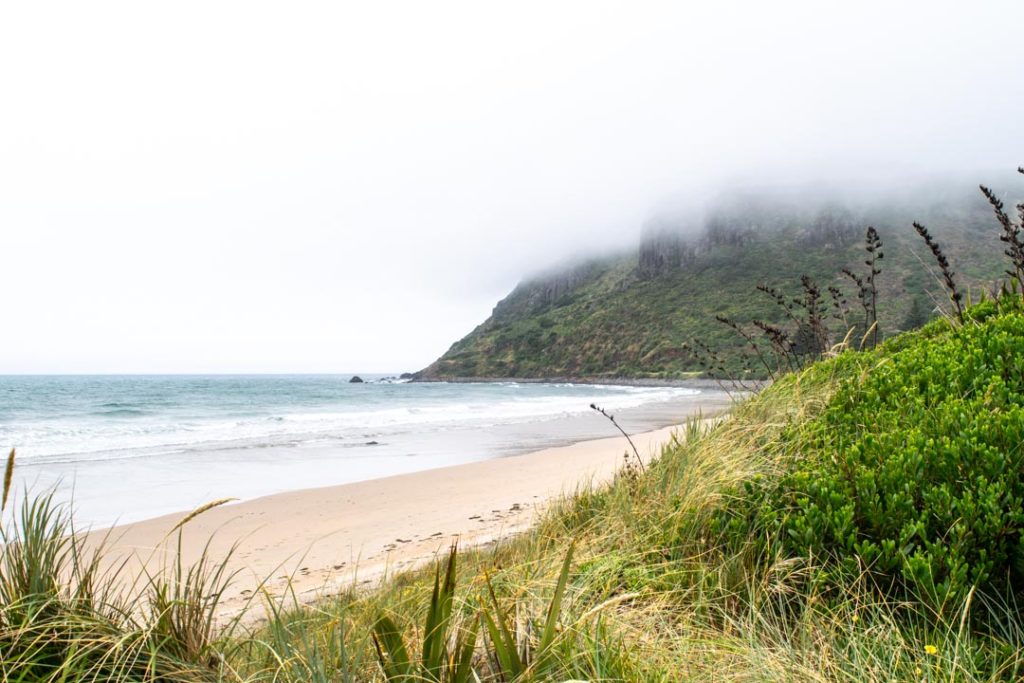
{"type": "Point", "coordinates": [326, 539]}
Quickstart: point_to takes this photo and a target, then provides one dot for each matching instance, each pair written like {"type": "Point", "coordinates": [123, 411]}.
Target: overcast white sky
{"type": "Point", "coordinates": [316, 187]}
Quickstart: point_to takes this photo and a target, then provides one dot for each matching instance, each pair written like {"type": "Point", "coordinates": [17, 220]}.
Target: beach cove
{"type": "Point", "coordinates": [128, 448]}
{"type": "Point", "coordinates": [329, 484]}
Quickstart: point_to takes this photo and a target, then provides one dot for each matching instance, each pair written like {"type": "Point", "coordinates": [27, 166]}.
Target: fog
{"type": "Point", "coordinates": [336, 187]}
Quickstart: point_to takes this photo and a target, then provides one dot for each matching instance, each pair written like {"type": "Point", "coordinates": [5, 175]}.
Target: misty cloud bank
{"type": "Point", "coordinates": [315, 187]}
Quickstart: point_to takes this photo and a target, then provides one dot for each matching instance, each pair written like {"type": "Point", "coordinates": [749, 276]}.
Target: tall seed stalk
{"type": "Point", "coordinates": [873, 245]}
{"type": "Point", "coordinates": [1011, 236]}
{"type": "Point", "coordinates": [948, 280]}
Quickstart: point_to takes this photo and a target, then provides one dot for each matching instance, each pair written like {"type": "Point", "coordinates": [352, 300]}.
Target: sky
{"type": "Point", "coordinates": [351, 186]}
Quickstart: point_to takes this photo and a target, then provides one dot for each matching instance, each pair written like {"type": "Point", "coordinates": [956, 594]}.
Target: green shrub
{"type": "Point", "coordinates": [913, 472]}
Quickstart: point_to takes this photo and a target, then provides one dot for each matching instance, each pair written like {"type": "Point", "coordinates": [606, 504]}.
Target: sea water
{"type": "Point", "coordinates": [123, 448]}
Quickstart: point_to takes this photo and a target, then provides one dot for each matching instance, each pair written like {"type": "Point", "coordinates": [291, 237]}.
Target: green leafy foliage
{"type": "Point", "coordinates": [914, 471]}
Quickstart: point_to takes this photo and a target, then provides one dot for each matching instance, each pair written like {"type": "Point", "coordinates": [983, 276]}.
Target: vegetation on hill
{"type": "Point", "coordinates": [913, 471]}
{"type": "Point", "coordinates": [860, 519]}
{"type": "Point", "coordinates": [638, 315]}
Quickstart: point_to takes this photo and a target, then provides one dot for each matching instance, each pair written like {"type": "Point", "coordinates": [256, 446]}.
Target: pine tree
{"type": "Point", "coordinates": [919, 314]}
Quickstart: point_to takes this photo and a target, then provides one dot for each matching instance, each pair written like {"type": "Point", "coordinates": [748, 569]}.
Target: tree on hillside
{"type": "Point", "coordinates": [919, 314]}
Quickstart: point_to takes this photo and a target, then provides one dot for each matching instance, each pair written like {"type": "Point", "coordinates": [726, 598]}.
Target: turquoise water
{"type": "Point", "coordinates": [130, 447]}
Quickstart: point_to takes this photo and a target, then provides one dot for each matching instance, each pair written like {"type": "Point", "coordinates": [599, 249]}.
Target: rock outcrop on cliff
{"type": "Point", "coordinates": [548, 289]}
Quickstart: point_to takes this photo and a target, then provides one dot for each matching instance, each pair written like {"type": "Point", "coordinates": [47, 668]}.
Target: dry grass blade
{"type": "Point", "coordinates": [870, 331]}
{"type": "Point", "coordinates": [200, 510]}
{"type": "Point", "coordinates": [8, 477]}
{"type": "Point", "coordinates": [843, 345]}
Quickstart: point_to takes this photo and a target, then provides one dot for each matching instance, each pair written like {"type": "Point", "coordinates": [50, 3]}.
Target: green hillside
{"type": "Point", "coordinates": [635, 315]}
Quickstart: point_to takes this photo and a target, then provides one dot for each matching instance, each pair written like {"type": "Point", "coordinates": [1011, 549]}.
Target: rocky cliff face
{"type": "Point", "coordinates": [663, 250]}
{"type": "Point", "coordinates": [548, 289]}
{"type": "Point", "coordinates": [667, 246]}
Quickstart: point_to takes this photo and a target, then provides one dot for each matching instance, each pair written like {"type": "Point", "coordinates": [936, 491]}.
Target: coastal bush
{"type": "Point", "coordinates": [913, 473]}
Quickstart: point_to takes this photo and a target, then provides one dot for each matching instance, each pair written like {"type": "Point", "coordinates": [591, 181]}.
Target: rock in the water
{"type": "Point", "coordinates": [406, 375]}
{"type": "Point", "coordinates": [356, 379]}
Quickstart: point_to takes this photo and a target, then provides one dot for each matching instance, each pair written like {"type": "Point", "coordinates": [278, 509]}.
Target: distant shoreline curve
{"type": "Point", "coordinates": [692, 383]}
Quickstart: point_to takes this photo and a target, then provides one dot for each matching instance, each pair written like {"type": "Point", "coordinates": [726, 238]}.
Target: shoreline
{"type": "Point", "coordinates": [212, 442]}
{"type": "Point", "coordinates": [687, 383]}
{"type": "Point", "coordinates": [323, 541]}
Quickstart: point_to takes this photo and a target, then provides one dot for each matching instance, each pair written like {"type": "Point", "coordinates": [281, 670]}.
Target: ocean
{"type": "Point", "coordinates": [124, 448]}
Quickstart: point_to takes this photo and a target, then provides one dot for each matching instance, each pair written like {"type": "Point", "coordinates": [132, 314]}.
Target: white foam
{"type": "Point", "coordinates": [102, 438]}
